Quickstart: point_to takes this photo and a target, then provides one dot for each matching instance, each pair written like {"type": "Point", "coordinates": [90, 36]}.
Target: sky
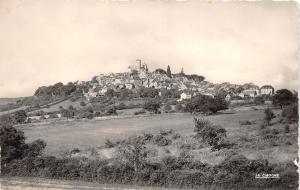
{"type": "Point", "coordinates": [43, 42]}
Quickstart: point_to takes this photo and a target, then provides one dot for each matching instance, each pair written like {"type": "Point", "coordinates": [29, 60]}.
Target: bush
{"type": "Point", "coordinates": [111, 111]}
{"type": "Point", "coordinates": [259, 100]}
{"type": "Point", "coordinates": [139, 112]}
{"type": "Point", "coordinates": [165, 132]}
{"type": "Point", "coordinates": [53, 115]}
{"type": "Point", "coordinates": [287, 129]}
{"type": "Point", "coordinates": [179, 108]}
{"type": "Point", "coordinates": [205, 104]}
{"type": "Point", "coordinates": [35, 148]}
{"type": "Point", "coordinates": [122, 106]}
{"type": "Point", "coordinates": [82, 103]}
{"type": "Point", "coordinates": [109, 144]}
{"type": "Point", "coordinates": [176, 136]}
{"type": "Point", "coordinates": [152, 106]}
{"type": "Point", "coordinates": [167, 108]}
{"type": "Point", "coordinates": [12, 142]}
{"type": "Point", "coordinates": [161, 140]}
{"type": "Point", "coordinates": [269, 115]}
{"type": "Point", "coordinates": [246, 122]}
{"type": "Point", "coordinates": [20, 116]}
{"type": "Point", "coordinates": [291, 113]}
{"type": "Point", "coordinates": [209, 133]}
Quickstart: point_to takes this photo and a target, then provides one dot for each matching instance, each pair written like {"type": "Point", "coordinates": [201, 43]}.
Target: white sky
{"type": "Point", "coordinates": [47, 41]}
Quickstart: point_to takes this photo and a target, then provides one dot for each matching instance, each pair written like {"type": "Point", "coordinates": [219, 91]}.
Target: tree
{"type": "Point", "coordinates": [110, 93]}
{"type": "Point", "coordinates": [205, 104]}
{"type": "Point", "coordinates": [182, 71]}
{"type": "Point", "coordinates": [169, 74]}
{"type": "Point", "coordinates": [259, 100]}
{"type": "Point", "coordinates": [82, 103]}
{"type": "Point", "coordinates": [152, 106]}
{"type": "Point", "coordinates": [20, 116]}
{"type": "Point", "coordinates": [269, 115]}
{"type": "Point", "coordinates": [284, 97]}
{"type": "Point", "coordinates": [12, 142]}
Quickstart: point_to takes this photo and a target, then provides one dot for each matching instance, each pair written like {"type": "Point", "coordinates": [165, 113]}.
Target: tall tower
{"type": "Point", "coordinates": [139, 64]}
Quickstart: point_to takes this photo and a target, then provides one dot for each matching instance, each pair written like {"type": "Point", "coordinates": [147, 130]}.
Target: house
{"type": "Point", "coordinates": [185, 96]}
{"type": "Point", "coordinates": [242, 95]}
{"type": "Point", "coordinates": [251, 92]}
{"type": "Point", "coordinates": [209, 94]}
{"type": "Point", "coordinates": [227, 98]}
{"type": "Point", "coordinates": [267, 90]}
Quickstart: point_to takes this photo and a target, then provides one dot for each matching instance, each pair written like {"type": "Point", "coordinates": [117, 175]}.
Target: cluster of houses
{"type": "Point", "coordinates": [247, 93]}
{"type": "Point", "coordinates": [139, 76]}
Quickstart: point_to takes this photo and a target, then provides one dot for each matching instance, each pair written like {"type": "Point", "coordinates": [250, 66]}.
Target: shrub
{"type": "Point", "coordinates": [165, 132]}
{"type": "Point", "coordinates": [139, 112]}
{"type": "Point", "coordinates": [111, 111]}
{"type": "Point", "coordinates": [176, 136]}
{"type": "Point", "coordinates": [35, 148]}
{"type": "Point", "coordinates": [179, 108]}
{"type": "Point", "coordinates": [109, 144]}
{"type": "Point", "coordinates": [152, 106]}
{"type": "Point", "coordinates": [12, 142]}
{"type": "Point", "coordinates": [53, 115]}
{"type": "Point", "coordinates": [287, 129]}
{"type": "Point", "coordinates": [269, 115]}
{"type": "Point", "coordinates": [205, 104]}
{"type": "Point", "coordinates": [161, 140]}
{"type": "Point", "coordinates": [20, 116]}
{"type": "Point", "coordinates": [209, 133]}
{"type": "Point", "coordinates": [121, 106]}
{"type": "Point", "coordinates": [82, 103]}
{"type": "Point", "coordinates": [246, 122]}
{"type": "Point", "coordinates": [86, 114]}
{"type": "Point", "coordinates": [288, 143]}
{"type": "Point", "coordinates": [167, 108]}
{"type": "Point", "coordinates": [259, 100]}
{"type": "Point", "coordinates": [291, 113]}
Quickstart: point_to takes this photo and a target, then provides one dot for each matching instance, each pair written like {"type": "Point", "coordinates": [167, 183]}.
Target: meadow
{"type": "Point", "coordinates": [62, 136]}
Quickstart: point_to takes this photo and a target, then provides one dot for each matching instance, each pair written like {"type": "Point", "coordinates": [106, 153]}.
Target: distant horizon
{"type": "Point", "coordinates": [45, 42]}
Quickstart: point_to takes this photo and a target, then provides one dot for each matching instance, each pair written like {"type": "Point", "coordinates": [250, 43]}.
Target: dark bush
{"type": "Point", "coordinates": [209, 133]}
{"type": "Point", "coordinates": [246, 122]}
{"type": "Point", "coordinates": [139, 112]}
{"type": "Point", "coordinates": [82, 103]}
{"type": "Point", "coordinates": [167, 108]}
{"type": "Point", "coordinates": [35, 148]}
{"type": "Point", "coordinates": [287, 129]}
{"type": "Point", "coordinates": [291, 113]}
{"type": "Point", "coordinates": [269, 115]}
{"type": "Point", "coordinates": [111, 111]}
{"type": "Point", "coordinates": [152, 106]}
{"type": "Point", "coordinates": [259, 100]}
{"type": "Point", "coordinates": [205, 104]}
{"type": "Point", "coordinates": [161, 140]}
{"type": "Point", "coordinates": [179, 108]}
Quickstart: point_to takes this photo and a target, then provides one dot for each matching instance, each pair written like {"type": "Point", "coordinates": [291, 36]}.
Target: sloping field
{"type": "Point", "coordinates": [65, 135]}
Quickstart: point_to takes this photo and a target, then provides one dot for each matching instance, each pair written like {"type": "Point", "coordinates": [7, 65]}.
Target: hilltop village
{"type": "Point", "coordinates": [188, 86]}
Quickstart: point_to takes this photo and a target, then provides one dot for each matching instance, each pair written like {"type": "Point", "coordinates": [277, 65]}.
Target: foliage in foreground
{"type": "Point", "coordinates": [234, 172]}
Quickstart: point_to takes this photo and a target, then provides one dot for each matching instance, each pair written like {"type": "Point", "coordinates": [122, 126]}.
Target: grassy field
{"type": "Point", "coordinates": [62, 136]}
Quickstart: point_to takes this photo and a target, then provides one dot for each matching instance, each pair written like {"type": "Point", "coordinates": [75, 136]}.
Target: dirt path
{"type": "Point", "coordinates": [17, 183]}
